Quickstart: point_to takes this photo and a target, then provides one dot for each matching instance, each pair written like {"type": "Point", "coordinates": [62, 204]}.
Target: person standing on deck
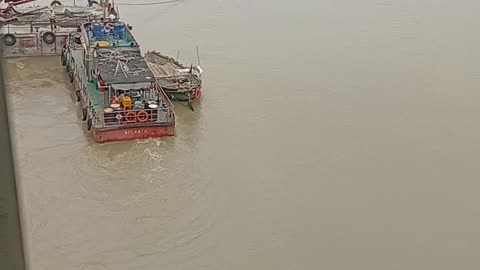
{"type": "Point", "coordinates": [115, 100]}
{"type": "Point", "coordinates": [120, 97]}
{"type": "Point", "coordinates": [127, 102]}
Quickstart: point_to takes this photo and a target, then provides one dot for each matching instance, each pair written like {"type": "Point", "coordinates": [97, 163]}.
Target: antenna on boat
{"type": "Point", "coordinates": [178, 54]}
{"type": "Point", "coordinates": [198, 56]}
{"type": "Point", "coordinates": [104, 4]}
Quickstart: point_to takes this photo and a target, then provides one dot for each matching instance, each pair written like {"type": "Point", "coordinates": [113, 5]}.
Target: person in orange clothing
{"type": "Point", "coordinates": [115, 100]}
{"type": "Point", "coordinates": [127, 102]}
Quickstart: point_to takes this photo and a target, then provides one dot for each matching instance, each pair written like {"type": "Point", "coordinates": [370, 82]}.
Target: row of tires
{"type": "Point", "coordinates": [47, 37]}
{"type": "Point", "coordinates": [67, 66]}
{"type": "Point", "coordinates": [71, 75]}
{"type": "Point", "coordinates": [10, 39]}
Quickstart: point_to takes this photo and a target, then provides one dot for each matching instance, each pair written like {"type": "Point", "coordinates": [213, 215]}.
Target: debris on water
{"type": "Point", "coordinates": [20, 66]}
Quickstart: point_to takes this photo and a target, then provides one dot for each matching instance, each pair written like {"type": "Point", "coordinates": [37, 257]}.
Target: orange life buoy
{"type": "Point", "coordinates": [142, 116]}
{"type": "Point", "coordinates": [130, 117]}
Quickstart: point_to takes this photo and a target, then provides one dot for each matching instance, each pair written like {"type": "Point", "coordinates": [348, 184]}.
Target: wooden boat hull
{"type": "Point", "coordinates": [177, 84]}
{"type": "Point", "coordinates": [182, 96]}
{"type": "Point", "coordinates": [132, 133]}
{"type": "Point", "coordinates": [178, 96]}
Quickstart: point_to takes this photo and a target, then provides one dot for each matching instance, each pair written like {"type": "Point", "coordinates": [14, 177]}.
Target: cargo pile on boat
{"type": "Point", "coordinates": [122, 94]}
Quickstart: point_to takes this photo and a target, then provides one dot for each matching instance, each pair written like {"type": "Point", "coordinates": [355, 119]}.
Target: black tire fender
{"type": "Point", "coordinates": [56, 3]}
{"type": "Point", "coordinates": [71, 76]}
{"type": "Point", "coordinates": [9, 39]}
{"type": "Point", "coordinates": [49, 37]}
{"type": "Point", "coordinates": [77, 94]}
{"type": "Point", "coordinates": [92, 2]}
{"type": "Point", "coordinates": [89, 124]}
{"type": "Point", "coordinates": [63, 58]}
{"type": "Point", "coordinates": [84, 114]}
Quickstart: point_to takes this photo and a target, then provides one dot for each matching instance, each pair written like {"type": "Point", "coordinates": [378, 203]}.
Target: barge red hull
{"type": "Point", "coordinates": [132, 133]}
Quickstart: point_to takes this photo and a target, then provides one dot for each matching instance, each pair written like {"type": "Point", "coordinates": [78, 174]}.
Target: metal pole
{"type": "Point", "coordinates": [12, 254]}
{"type": "Point", "coordinates": [104, 7]}
{"type": "Point", "coordinates": [198, 57]}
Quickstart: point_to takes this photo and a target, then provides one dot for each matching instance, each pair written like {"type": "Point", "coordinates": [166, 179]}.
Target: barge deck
{"type": "Point", "coordinates": [118, 94]}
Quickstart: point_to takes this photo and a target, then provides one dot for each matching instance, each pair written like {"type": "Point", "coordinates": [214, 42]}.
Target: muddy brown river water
{"type": "Point", "coordinates": [331, 135]}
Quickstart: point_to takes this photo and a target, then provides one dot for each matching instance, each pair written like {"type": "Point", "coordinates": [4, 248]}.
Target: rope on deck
{"type": "Point", "coordinates": [148, 4]}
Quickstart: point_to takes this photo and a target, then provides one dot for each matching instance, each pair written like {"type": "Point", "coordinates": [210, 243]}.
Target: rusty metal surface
{"type": "Point", "coordinates": [31, 44]}
{"type": "Point", "coordinates": [132, 133]}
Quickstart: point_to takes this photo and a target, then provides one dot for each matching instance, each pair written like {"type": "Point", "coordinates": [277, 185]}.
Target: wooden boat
{"type": "Point", "coordinates": [118, 94]}
{"type": "Point", "coordinates": [178, 81]}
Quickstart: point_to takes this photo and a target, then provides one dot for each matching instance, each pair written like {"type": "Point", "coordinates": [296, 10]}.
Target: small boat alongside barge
{"type": "Point", "coordinates": [118, 94]}
{"type": "Point", "coordinates": [178, 81]}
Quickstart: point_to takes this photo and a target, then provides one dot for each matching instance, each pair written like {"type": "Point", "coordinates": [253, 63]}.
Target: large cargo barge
{"type": "Point", "coordinates": [42, 30]}
{"type": "Point", "coordinates": [118, 94]}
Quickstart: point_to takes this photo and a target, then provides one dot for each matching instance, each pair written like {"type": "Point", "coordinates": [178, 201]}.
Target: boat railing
{"type": "Point", "coordinates": [135, 117]}
{"type": "Point", "coordinates": [164, 95]}
{"type": "Point", "coordinates": [36, 25]}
